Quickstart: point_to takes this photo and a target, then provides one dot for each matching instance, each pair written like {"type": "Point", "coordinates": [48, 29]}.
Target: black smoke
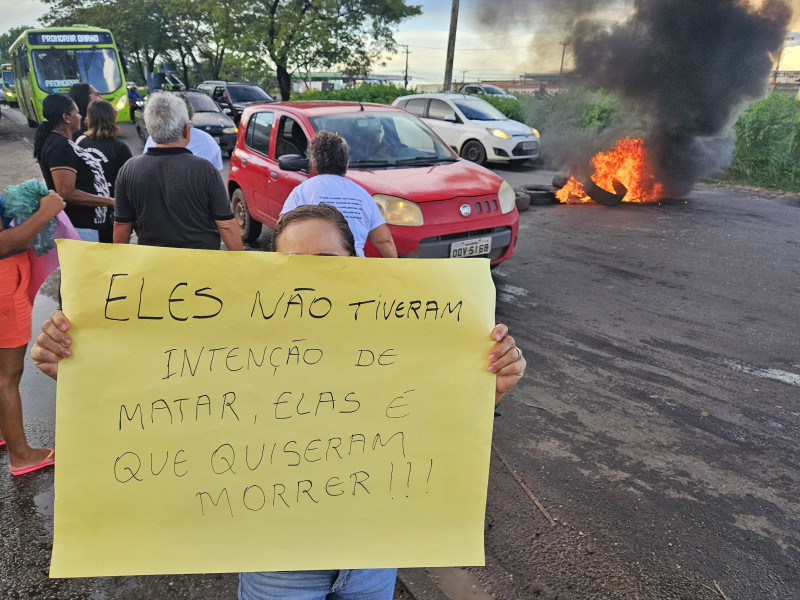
{"type": "Point", "coordinates": [689, 65]}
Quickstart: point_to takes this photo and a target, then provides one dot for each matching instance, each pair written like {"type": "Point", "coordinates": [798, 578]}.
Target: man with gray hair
{"type": "Point", "coordinates": [175, 198]}
{"type": "Point", "coordinates": [200, 144]}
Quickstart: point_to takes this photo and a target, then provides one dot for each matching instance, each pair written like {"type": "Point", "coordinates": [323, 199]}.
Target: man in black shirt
{"type": "Point", "coordinates": [175, 198]}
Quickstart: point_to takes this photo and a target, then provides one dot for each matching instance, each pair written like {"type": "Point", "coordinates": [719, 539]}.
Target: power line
{"type": "Point", "coordinates": [484, 49]}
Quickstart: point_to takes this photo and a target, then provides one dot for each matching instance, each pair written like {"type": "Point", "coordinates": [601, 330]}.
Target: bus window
{"type": "Point", "coordinates": [61, 68]}
{"type": "Point", "coordinates": [22, 61]}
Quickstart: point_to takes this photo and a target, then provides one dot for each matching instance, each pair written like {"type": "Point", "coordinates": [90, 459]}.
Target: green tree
{"type": "Point", "coordinates": [301, 34]}
{"type": "Point", "coordinates": [196, 34]}
{"type": "Point", "coordinates": [8, 38]}
{"type": "Point", "coordinates": [137, 32]}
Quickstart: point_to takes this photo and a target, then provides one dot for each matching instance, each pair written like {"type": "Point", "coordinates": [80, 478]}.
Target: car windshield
{"type": "Point", "coordinates": [247, 93]}
{"type": "Point", "coordinates": [61, 68]}
{"type": "Point", "coordinates": [476, 109]}
{"type": "Point", "coordinates": [493, 89]}
{"type": "Point", "coordinates": [8, 78]}
{"type": "Point", "coordinates": [202, 103]}
{"type": "Point", "coordinates": [385, 139]}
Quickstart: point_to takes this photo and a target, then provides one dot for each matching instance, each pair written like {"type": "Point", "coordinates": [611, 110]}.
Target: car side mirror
{"type": "Point", "coordinates": [293, 162]}
{"type": "Point", "coordinates": [227, 110]}
{"type": "Point", "coordinates": [451, 117]}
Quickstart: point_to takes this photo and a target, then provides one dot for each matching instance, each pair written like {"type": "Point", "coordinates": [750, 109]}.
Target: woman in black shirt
{"type": "Point", "coordinates": [102, 142]}
{"type": "Point", "coordinates": [84, 95]}
{"type": "Point", "coordinates": [70, 170]}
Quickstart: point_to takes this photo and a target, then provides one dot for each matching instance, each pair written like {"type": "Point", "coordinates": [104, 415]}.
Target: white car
{"type": "Point", "coordinates": [475, 129]}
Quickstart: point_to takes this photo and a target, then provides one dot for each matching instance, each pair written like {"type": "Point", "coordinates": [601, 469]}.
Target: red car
{"type": "Point", "coordinates": [436, 205]}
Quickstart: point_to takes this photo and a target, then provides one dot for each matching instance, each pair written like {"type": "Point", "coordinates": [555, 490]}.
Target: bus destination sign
{"type": "Point", "coordinates": [68, 37]}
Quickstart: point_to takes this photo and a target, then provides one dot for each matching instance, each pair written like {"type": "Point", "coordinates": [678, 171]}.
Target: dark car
{"type": "Point", "coordinates": [234, 97]}
{"type": "Point", "coordinates": [207, 117]}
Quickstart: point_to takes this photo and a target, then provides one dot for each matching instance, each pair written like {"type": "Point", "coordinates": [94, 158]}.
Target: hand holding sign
{"type": "Point", "coordinates": [217, 433]}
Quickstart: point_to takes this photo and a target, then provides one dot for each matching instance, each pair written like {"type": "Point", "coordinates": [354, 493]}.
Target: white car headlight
{"type": "Point", "coordinates": [535, 131]}
{"type": "Point", "coordinates": [506, 197]}
{"type": "Point", "coordinates": [121, 103]}
{"type": "Point", "coordinates": [399, 211]}
{"type": "Point", "coordinates": [500, 133]}
{"type": "Point", "coordinates": [229, 130]}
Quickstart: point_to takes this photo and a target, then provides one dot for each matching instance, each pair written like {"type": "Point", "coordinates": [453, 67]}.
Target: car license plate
{"type": "Point", "coordinates": [477, 247]}
{"type": "Point", "coordinates": [528, 145]}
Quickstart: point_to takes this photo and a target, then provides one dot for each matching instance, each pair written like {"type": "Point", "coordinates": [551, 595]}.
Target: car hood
{"type": "Point", "coordinates": [243, 105]}
{"type": "Point", "coordinates": [201, 120]}
{"type": "Point", "coordinates": [510, 125]}
{"type": "Point", "coordinates": [429, 184]}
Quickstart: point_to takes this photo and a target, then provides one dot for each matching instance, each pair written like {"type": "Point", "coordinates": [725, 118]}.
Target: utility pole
{"type": "Point", "coordinates": [563, 52]}
{"type": "Point", "coordinates": [463, 75]}
{"type": "Point", "coordinates": [405, 77]}
{"type": "Point", "coordinates": [451, 47]}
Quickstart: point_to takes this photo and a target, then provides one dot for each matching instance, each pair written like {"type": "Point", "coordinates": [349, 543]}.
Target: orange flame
{"type": "Point", "coordinates": [624, 164]}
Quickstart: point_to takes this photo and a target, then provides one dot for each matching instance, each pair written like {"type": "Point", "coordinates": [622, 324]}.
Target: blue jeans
{"type": "Point", "coordinates": [356, 584]}
{"type": "Point", "coordinates": [88, 235]}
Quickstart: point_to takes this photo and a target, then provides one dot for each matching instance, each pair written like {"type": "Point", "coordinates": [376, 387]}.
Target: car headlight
{"type": "Point", "coordinates": [121, 103]}
{"type": "Point", "coordinates": [229, 130]}
{"type": "Point", "coordinates": [506, 197]}
{"type": "Point", "coordinates": [500, 133]}
{"type": "Point", "coordinates": [399, 211]}
{"type": "Point", "coordinates": [535, 132]}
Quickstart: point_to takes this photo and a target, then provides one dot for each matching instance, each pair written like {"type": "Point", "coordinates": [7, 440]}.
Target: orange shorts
{"type": "Point", "coordinates": [15, 308]}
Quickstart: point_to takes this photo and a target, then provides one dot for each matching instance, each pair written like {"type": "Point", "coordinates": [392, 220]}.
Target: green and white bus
{"type": "Point", "coordinates": [51, 60]}
{"type": "Point", "coordinates": [9, 90]}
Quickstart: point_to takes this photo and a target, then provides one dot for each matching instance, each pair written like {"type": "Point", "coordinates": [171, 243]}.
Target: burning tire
{"type": "Point", "coordinates": [604, 197]}
{"type": "Point", "coordinates": [560, 180]}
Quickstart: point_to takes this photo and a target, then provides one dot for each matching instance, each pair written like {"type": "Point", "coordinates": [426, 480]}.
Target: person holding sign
{"type": "Point", "coordinates": [321, 231]}
{"type": "Point", "coordinates": [329, 158]}
{"type": "Point", "coordinates": [15, 332]}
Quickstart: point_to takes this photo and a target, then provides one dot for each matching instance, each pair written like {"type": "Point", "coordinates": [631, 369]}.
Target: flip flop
{"type": "Point", "coordinates": [2, 443]}
{"type": "Point", "coordinates": [48, 461]}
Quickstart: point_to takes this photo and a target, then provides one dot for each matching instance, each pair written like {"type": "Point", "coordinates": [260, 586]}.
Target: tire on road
{"type": "Point", "coordinates": [249, 228]}
{"type": "Point", "coordinates": [539, 195]}
{"type": "Point", "coordinates": [473, 151]}
{"type": "Point", "coordinates": [523, 200]}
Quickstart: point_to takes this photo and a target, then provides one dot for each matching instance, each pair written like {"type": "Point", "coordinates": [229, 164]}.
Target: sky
{"type": "Point", "coordinates": [484, 51]}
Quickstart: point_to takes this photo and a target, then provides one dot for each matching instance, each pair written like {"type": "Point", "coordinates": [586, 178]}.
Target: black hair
{"type": "Point", "coordinates": [80, 92]}
{"type": "Point", "coordinates": [54, 107]}
{"type": "Point", "coordinates": [328, 153]}
{"type": "Point", "coordinates": [322, 212]}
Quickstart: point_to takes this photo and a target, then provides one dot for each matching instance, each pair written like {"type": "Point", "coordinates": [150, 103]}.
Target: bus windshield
{"type": "Point", "coordinates": [8, 79]}
{"type": "Point", "coordinates": [60, 68]}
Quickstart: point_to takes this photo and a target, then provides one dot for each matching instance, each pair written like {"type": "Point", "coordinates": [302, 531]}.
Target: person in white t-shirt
{"type": "Point", "coordinates": [200, 144]}
{"type": "Point", "coordinates": [329, 158]}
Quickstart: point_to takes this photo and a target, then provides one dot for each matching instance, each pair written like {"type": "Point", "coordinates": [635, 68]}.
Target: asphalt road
{"type": "Point", "coordinates": [657, 426]}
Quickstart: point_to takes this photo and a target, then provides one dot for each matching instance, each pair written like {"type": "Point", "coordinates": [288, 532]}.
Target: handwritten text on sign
{"type": "Point", "coordinates": [230, 411]}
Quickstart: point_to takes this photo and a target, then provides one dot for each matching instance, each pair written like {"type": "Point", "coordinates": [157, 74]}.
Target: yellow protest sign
{"type": "Point", "coordinates": [249, 411]}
